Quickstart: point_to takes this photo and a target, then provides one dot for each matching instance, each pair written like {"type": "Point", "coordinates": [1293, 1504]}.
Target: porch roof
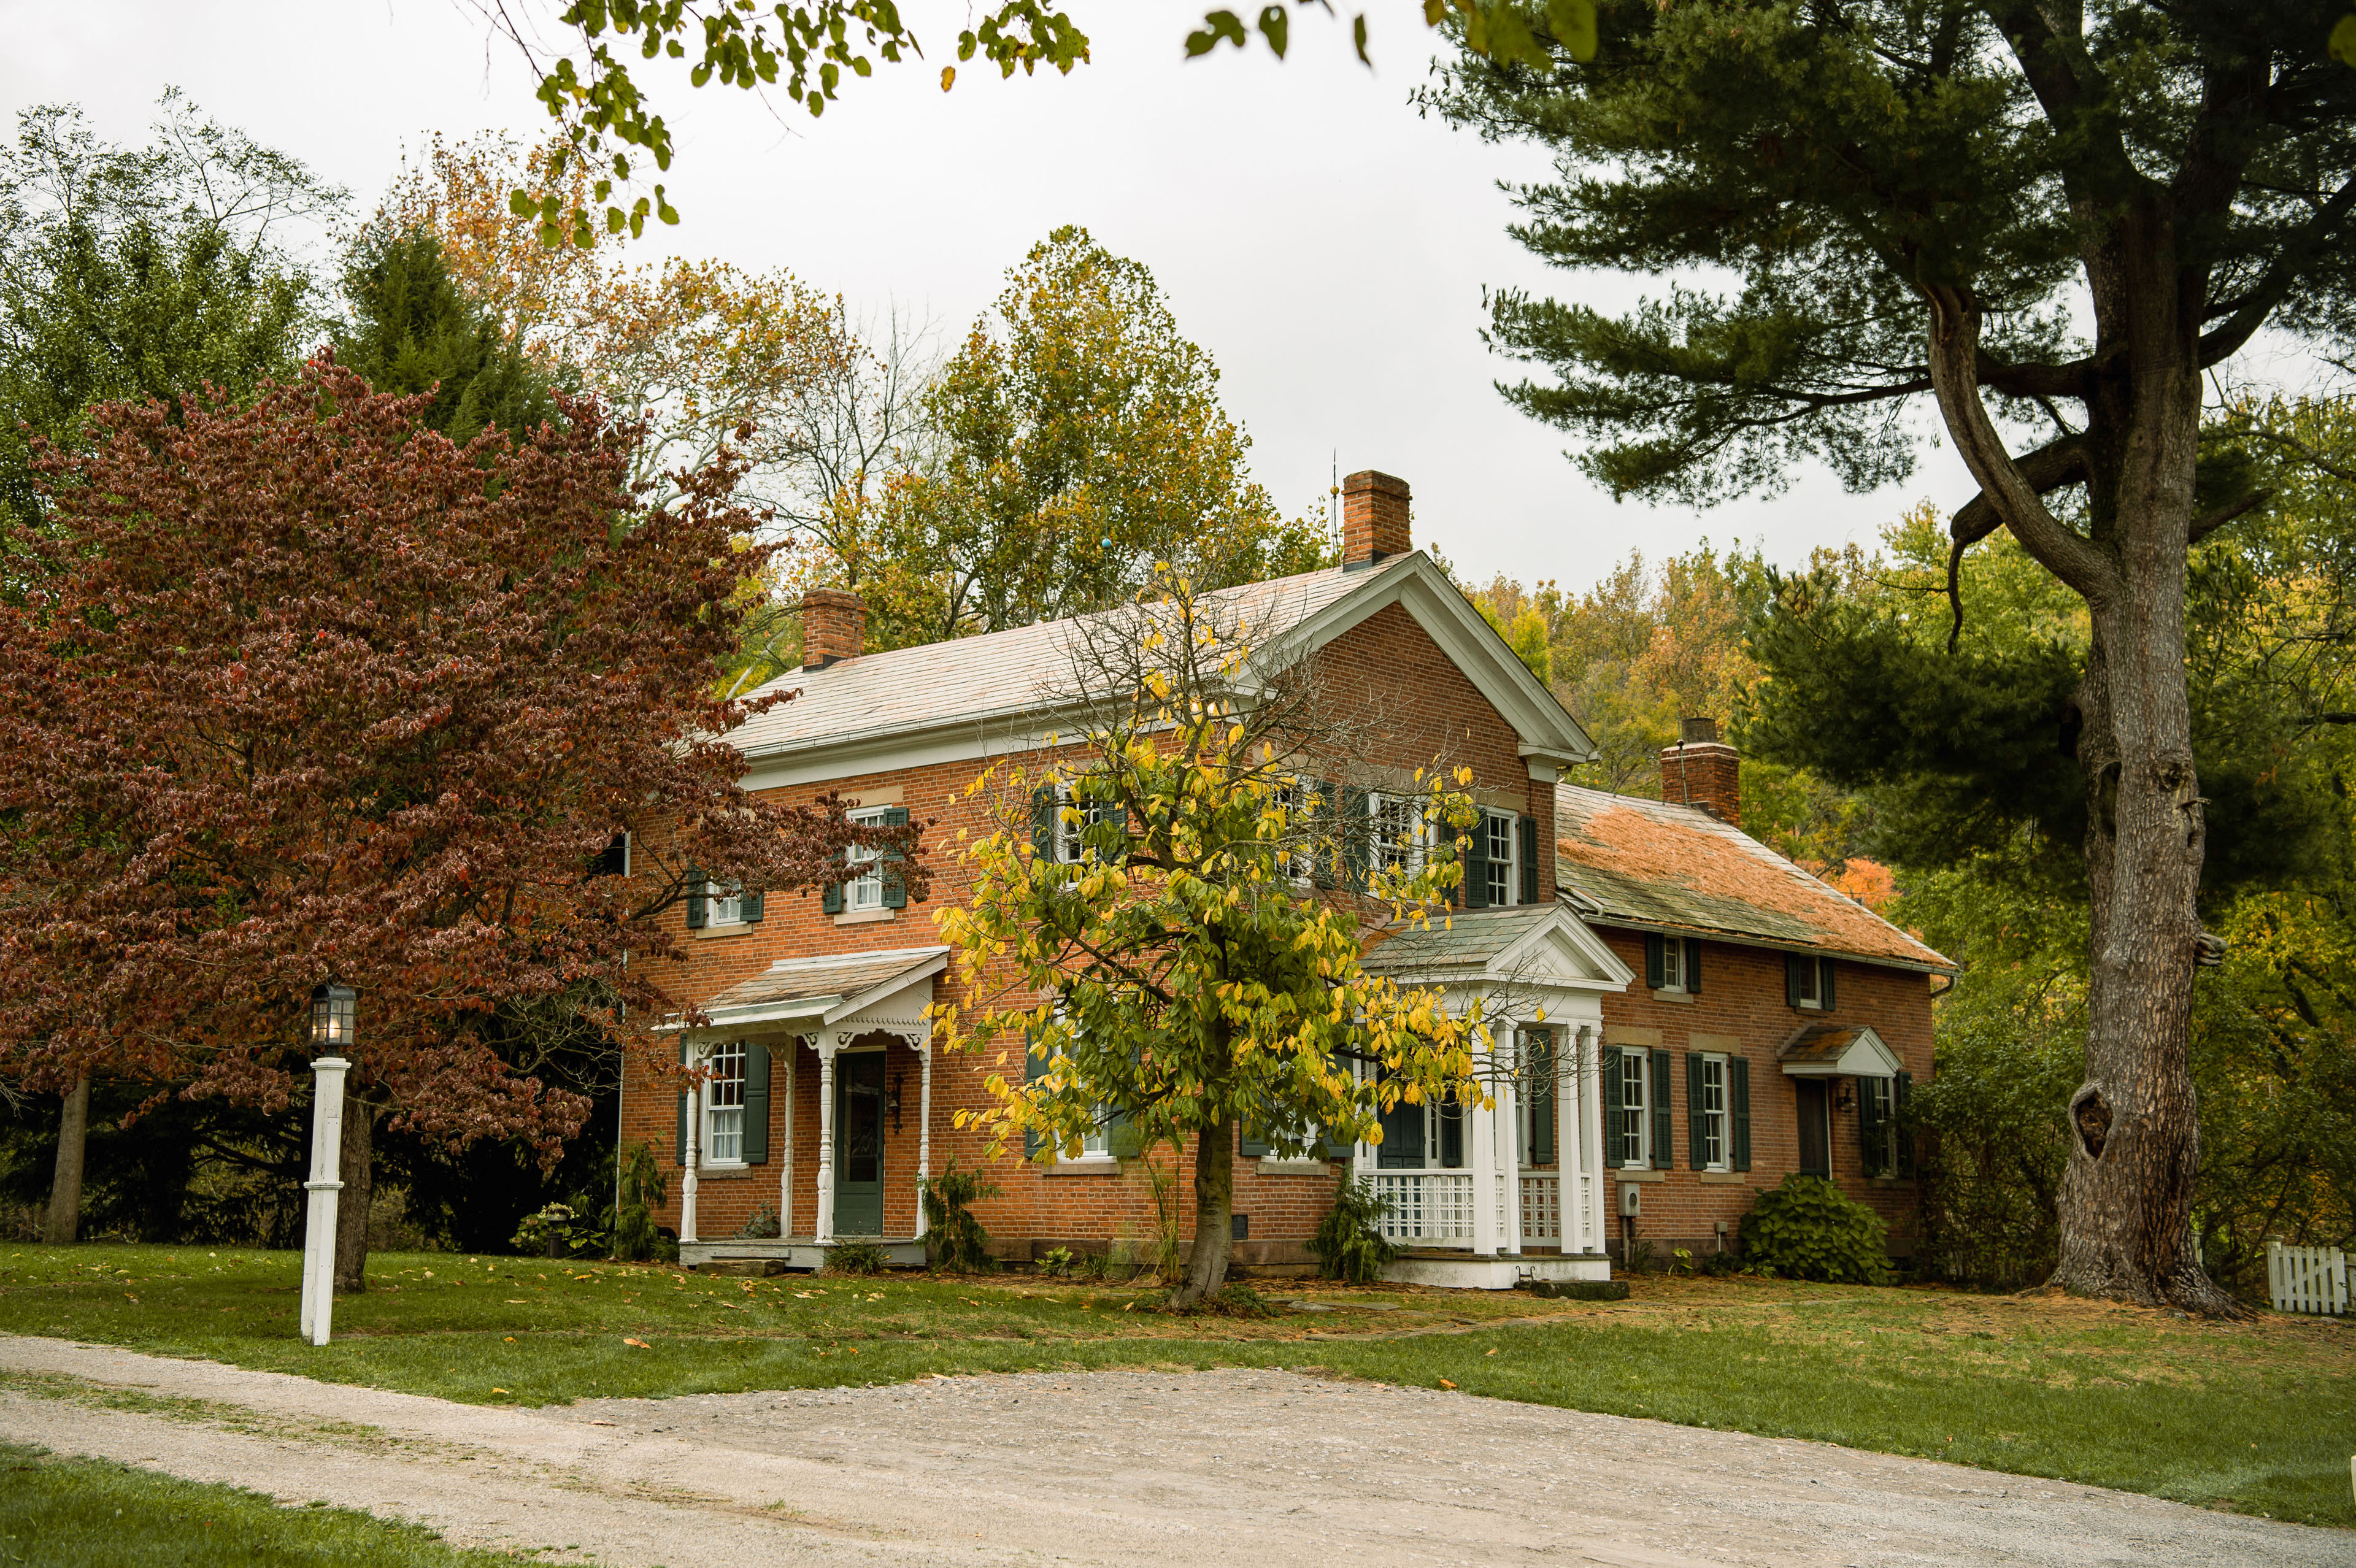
{"type": "Point", "coordinates": [822, 988]}
{"type": "Point", "coordinates": [1533, 945]}
{"type": "Point", "coordinates": [1837, 1050]}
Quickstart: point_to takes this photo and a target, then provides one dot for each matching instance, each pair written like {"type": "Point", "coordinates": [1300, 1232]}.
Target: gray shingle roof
{"type": "Point", "coordinates": [817, 984]}
{"type": "Point", "coordinates": [1677, 867]}
{"type": "Point", "coordinates": [1465, 940]}
{"type": "Point", "coordinates": [999, 678]}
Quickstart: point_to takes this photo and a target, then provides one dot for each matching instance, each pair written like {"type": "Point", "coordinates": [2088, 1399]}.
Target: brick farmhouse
{"type": "Point", "coordinates": [1682, 1015]}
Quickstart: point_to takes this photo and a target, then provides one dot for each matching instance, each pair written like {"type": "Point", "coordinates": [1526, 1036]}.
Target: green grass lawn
{"type": "Point", "coordinates": [70, 1513]}
{"type": "Point", "coordinates": [2259, 1417]}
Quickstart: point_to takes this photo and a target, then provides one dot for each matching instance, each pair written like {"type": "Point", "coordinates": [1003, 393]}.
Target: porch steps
{"type": "Point", "coordinates": [1456, 1269]}
{"type": "Point", "coordinates": [791, 1254]}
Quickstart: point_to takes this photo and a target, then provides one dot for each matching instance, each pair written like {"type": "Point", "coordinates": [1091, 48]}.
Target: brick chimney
{"type": "Point", "coordinates": [1373, 519]}
{"type": "Point", "coordinates": [835, 627]}
{"type": "Point", "coordinates": [1704, 771]}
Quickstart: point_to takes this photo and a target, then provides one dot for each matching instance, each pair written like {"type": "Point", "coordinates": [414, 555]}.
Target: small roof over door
{"type": "Point", "coordinates": [821, 990]}
{"type": "Point", "coordinates": [1533, 945]}
{"type": "Point", "coordinates": [1837, 1050]}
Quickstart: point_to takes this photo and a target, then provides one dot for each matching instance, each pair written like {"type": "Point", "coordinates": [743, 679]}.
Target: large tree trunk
{"type": "Point", "coordinates": [65, 1191]}
{"type": "Point", "coordinates": [1215, 1202]}
{"type": "Point", "coordinates": [352, 1204]}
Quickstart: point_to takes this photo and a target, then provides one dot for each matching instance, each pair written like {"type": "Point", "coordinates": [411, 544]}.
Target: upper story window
{"type": "Point", "coordinates": [864, 889]}
{"type": "Point", "coordinates": [723, 1106]}
{"type": "Point", "coordinates": [1060, 824]}
{"type": "Point", "coordinates": [1808, 983]}
{"type": "Point", "coordinates": [1501, 857]}
{"type": "Point", "coordinates": [1672, 965]}
{"type": "Point", "coordinates": [722, 904]}
{"type": "Point", "coordinates": [1399, 835]}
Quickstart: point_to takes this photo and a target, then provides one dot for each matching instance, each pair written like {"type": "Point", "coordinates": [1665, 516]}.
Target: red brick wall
{"type": "Point", "coordinates": [1742, 998]}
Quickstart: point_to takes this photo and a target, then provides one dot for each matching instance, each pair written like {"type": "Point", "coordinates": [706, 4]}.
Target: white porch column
{"type": "Point", "coordinates": [1362, 1153]}
{"type": "Point", "coordinates": [1483, 1126]}
{"type": "Point", "coordinates": [1507, 1120]}
{"type": "Point", "coordinates": [786, 1165]}
{"type": "Point", "coordinates": [924, 1132]}
{"type": "Point", "coordinates": [694, 1153]}
{"type": "Point", "coordinates": [1590, 1142]}
{"type": "Point", "coordinates": [1571, 1223]}
{"type": "Point", "coordinates": [325, 1189]}
{"type": "Point", "coordinates": [825, 1139]}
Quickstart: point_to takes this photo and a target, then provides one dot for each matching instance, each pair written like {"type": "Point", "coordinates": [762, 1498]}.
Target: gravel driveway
{"type": "Point", "coordinates": [1175, 1469]}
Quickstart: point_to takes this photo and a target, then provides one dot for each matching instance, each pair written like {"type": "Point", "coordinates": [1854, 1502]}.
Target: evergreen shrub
{"type": "Point", "coordinates": [1809, 1229]}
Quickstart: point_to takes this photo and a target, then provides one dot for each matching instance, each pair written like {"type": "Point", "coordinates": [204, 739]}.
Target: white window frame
{"type": "Point", "coordinates": [1386, 849]}
{"type": "Point", "coordinates": [1069, 850]}
{"type": "Point", "coordinates": [1640, 1063]}
{"type": "Point", "coordinates": [864, 893]}
{"type": "Point", "coordinates": [1299, 859]}
{"type": "Point", "coordinates": [723, 908]}
{"type": "Point", "coordinates": [1811, 985]}
{"type": "Point", "coordinates": [1505, 871]}
{"type": "Point", "coordinates": [1718, 1128]}
{"type": "Point", "coordinates": [1672, 965]}
{"type": "Point", "coordinates": [723, 1105]}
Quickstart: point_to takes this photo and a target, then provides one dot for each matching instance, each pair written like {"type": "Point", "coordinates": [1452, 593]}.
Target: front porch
{"type": "Point", "coordinates": [1486, 1197]}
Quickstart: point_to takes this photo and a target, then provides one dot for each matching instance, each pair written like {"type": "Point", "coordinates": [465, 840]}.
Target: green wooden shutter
{"type": "Point", "coordinates": [1738, 1113]}
{"type": "Point", "coordinates": [754, 907]}
{"type": "Point", "coordinates": [1664, 1126]}
{"type": "Point", "coordinates": [1652, 967]}
{"type": "Point", "coordinates": [1872, 1136]}
{"type": "Point", "coordinates": [1358, 840]}
{"type": "Point", "coordinates": [895, 886]}
{"type": "Point", "coordinates": [1249, 1147]}
{"type": "Point", "coordinates": [1697, 1133]}
{"type": "Point", "coordinates": [1528, 829]}
{"type": "Point", "coordinates": [1540, 1056]}
{"type": "Point", "coordinates": [678, 1149]}
{"type": "Point", "coordinates": [1032, 1140]}
{"type": "Point", "coordinates": [757, 1104]}
{"type": "Point", "coordinates": [1825, 986]}
{"type": "Point", "coordinates": [698, 910]}
{"type": "Point", "coordinates": [1043, 822]}
{"type": "Point", "coordinates": [1607, 1062]}
{"type": "Point", "coordinates": [1791, 962]}
{"type": "Point", "coordinates": [1474, 894]}
{"type": "Point", "coordinates": [1902, 1088]}
{"type": "Point", "coordinates": [1693, 965]}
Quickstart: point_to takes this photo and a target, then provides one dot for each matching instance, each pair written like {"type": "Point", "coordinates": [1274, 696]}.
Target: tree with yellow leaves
{"type": "Point", "coordinates": [1165, 931]}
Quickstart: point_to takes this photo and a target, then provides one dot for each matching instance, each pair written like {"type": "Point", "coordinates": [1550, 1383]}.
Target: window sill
{"type": "Point", "coordinates": [864, 916]}
{"type": "Point", "coordinates": [1087, 1164]}
{"type": "Point", "coordinates": [738, 928]}
{"type": "Point", "coordinates": [1269, 1166]}
{"type": "Point", "coordinates": [1639, 1173]}
{"type": "Point", "coordinates": [723, 1172]}
{"type": "Point", "coordinates": [1679, 997]}
{"type": "Point", "coordinates": [1724, 1178]}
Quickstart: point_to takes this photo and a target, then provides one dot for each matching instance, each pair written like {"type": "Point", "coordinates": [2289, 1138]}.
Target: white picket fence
{"type": "Point", "coordinates": [2306, 1279]}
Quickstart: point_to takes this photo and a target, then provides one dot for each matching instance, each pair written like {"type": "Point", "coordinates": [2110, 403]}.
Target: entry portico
{"type": "Point", "coordinates": [850, 1011]}
{"type": "Point", "coordinates": [1485, 1198]}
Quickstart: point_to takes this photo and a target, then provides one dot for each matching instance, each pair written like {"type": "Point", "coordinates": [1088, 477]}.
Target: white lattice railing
{"type": "Point", "coordinates": [1586, 1214]}
{"type": "Point", "coordinates": [1427, 1206]}
{"type": "Point", "coordinates": [2306, 1279]}
{"type": "Point", "coordinates": [1541, 1209]}
{"type": "Point", "coordinates": [1500, 1224]}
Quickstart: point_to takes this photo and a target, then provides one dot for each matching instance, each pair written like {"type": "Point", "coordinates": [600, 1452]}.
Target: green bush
{"type": "Point", "coordinates": [1808, 1229]}
{"type": "Point", "coordinates": [953, 1237]}
{"type": "Point", "coordinates": [857, 1258]}
{"type": "Point", "coordinates": [1349, 1243]}
{"type": "Point", "coordinates": [633, 1221]}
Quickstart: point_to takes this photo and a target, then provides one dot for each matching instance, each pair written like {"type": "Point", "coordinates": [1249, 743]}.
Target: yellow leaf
{"type": "Point", "coordinates": [948, 77]}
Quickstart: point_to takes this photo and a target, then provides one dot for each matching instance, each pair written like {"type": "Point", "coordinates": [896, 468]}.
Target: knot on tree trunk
{"type": "Point", "coordinates": [2091, 1115]}
{"type": "Point", "coordinates": [2208, 950]}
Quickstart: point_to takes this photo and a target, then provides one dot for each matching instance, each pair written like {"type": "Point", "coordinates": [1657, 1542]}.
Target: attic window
{"type": "Point", "coordinates": [1808, 983]}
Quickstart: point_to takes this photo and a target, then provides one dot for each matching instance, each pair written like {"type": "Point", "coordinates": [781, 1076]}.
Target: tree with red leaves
{"type": "Point", "coordinates": [300, 691]}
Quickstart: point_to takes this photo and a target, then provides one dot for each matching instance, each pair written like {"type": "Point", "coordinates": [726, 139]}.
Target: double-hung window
{"type": "Point", "coordinates": [1399, 835]}
{"type": "Point", "coordinates": [723, 1106]}
{"type": "Point", "coordinates": [1709, 1113]}
{"type": "Point", "coordinates": [723, 905]}
{"type": "Point", "coordinates": [1501, 857]}
{"type": "Point", "coordinates": [865, 890]}
{"type": "Point", "coordinates": [1074, 818]}
{"type": "Point", "coordinates": [1630, 1140]}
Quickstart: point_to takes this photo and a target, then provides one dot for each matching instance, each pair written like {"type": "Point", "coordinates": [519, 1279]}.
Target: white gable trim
{"type": "Point", "coordinates": [1865, 1057]}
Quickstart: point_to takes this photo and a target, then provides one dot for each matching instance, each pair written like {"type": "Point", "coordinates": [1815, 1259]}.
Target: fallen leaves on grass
{"type": "Point", "coordinates": [640, 1344]}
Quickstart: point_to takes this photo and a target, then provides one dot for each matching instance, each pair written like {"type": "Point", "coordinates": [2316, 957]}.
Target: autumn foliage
{"type": "Point", "coordinates": [299, 690]}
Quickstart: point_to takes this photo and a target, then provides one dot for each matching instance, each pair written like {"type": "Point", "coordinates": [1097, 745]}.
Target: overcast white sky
{"type": "Point", "coordinates": [1327, 245]}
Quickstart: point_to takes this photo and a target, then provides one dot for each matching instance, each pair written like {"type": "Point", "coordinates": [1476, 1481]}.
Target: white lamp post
{"type": "Point", "coordinates": [331, 1032]}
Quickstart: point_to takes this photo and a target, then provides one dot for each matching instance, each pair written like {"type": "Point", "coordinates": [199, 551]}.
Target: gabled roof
{"type": "Point", "coordinates": [978, 695]}
{"type": "Point", "coordinates": [1532, 944]}
{"type": "Point", "coordinates": [1623, 860]}
{"type": "Point", "coordinates": [1837, 1050]}
{"type": "Point", "coordinates": [821, 989]}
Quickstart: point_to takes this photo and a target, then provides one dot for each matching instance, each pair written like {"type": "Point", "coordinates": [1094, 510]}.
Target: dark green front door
{"type": "Point", "coordinates": [859, 1145]}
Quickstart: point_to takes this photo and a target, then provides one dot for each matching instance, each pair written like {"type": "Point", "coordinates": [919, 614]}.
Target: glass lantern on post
{"type": "Point", "coordinates": [333, 1009]}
